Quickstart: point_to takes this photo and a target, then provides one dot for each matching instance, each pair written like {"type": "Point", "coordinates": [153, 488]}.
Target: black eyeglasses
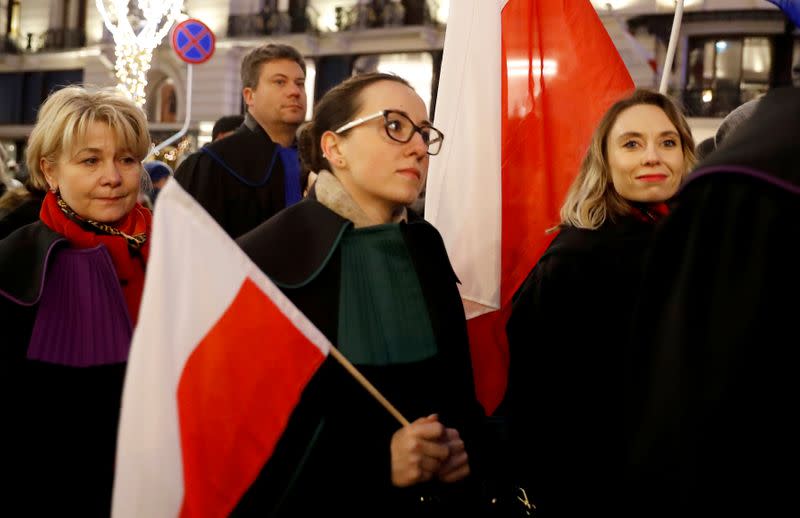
{"type": "Point", "coordinates": [401, 129]}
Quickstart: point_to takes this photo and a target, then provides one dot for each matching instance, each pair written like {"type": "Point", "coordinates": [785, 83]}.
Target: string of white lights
{"type": "Point", "coordinates": [134, 46]}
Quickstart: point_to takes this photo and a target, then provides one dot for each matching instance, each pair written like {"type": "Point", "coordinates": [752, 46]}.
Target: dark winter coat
{"type": "Point", "coordinates": [715, 342]}
{"type": "Point", "coordinates": [566, 338]}
{"type": "Point", "coordinates": [239, 179]}
{"type": "Point", "coordinates": [334, 457]}
{"type": "Point", "coordinates": [60, 420]}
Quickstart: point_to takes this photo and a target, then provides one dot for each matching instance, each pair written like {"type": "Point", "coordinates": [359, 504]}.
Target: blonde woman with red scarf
{"type": "Point", "coordinates": [569, 321]}
{"type": "Point", "coordinates": [70, 287]}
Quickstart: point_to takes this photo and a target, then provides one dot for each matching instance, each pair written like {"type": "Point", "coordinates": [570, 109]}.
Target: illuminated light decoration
{"type": "Point", "coordinates": [134, 46]}
{"type": "Point", "coordinates": [170, 154]}
{"type": "Point", "coordinates": [443, 11]}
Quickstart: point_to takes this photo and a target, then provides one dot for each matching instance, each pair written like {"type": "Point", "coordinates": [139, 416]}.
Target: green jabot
{"type": "Point", "coordinates": [383, 318]}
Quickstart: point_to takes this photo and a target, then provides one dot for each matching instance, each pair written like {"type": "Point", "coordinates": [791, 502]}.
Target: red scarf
{"type": "Point", "coordinates": [129, 268]}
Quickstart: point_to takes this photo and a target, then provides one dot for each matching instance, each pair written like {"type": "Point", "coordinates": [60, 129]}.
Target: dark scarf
{"type": "Point", "coordinates": [649, 212]}
{"type": "Point", "coordinates": [126, 242]}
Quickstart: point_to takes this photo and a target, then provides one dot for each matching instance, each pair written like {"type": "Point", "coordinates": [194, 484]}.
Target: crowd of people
{"type": "Point", "coordinates": [650, 350]}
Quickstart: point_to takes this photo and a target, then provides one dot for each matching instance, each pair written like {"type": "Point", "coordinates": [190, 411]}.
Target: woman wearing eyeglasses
{"type": "Point", "coordinates": [376, 280]}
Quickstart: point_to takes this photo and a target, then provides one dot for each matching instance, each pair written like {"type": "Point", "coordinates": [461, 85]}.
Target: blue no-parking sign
{"type": "Point", "coordinates": [193, 41]}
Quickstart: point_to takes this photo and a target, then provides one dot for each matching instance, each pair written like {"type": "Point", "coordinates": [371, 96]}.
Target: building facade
{"type": "Point", "coordinates": [729, 51]}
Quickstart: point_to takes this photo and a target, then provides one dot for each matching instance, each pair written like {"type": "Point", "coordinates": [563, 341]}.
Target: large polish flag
{"type": "Point", "coordinates": [523, 85]}
{"type": "Point", "coordinates": [218, 362]}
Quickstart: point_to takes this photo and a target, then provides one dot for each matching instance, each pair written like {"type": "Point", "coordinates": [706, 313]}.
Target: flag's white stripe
{"type": "Point", "coordinates": [234, 265]}
{"type": "Point", "coordinates": [194, 272]}
{"type": "Point", "coordinates": [463, 194]}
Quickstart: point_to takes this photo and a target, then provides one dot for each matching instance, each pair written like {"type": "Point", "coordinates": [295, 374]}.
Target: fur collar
{"type": "Point", "coordinates": [331, 193]}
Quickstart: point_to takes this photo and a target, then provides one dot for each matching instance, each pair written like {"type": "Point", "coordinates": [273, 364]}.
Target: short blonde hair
{"type": "Point", "coordinates": [67, 114]}
{"type": "Point", "coordinates": [592, 199]}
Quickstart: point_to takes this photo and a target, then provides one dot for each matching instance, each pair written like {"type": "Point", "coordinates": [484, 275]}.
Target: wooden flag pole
{"type": "Point", "coordinates": [367, 385]}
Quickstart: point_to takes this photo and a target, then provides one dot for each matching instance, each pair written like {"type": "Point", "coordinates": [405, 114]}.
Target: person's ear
{"type": "Point", "coordinates": [332, 149]}
{"type": "Point", "coordinates": [49, 171]}
{"type": "Point", "coordinates": [247, 95]}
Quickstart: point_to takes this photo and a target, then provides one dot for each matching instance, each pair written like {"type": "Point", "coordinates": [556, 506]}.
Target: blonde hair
{"type": "Point", "coordinates": [67, 114]}
{"type": "Point", "coordinates": [592, 199]}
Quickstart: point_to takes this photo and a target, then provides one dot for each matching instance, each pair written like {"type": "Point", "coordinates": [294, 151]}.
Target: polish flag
{"type": "Point", "coordinates": [218, 362]}
{"type": "Point", "coordinates": [523, 85]}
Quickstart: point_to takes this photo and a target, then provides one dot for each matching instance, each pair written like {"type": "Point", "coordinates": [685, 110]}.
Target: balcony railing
{"type": "Point", "coordinates": [53, 39]}
{"type": "Point", "coordinates": [263, 23]}
{"type": "Point", "coordinates": [64, 38]}
{"type": "Point", "coordinates": [376, 14]}
{"type": "Point", "coordinates": [382, 13]}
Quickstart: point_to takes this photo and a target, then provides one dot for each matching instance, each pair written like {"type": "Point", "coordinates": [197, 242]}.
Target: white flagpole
{"type": "Point", "coordinates": [673, 43]}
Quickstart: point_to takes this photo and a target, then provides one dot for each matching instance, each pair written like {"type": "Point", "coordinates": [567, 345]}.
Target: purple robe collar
{"type": "Point", "coordinates": [82, 320]}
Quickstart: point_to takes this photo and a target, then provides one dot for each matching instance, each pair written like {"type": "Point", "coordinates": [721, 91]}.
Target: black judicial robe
{"type": "Point", "coordinates": [20, 215]}
{"type": "Point", "coordinates": [566, 343]}
{"type": "Point", "coordinates": [239, 179]}
{"type": "Point", "coordinates": [334, 459]}
{"type": "Point", "coordinates": [59, 422]}
{"type": "Point", "coordinates": [715, 355]}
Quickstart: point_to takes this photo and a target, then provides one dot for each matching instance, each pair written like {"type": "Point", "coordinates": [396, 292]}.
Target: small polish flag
{"type": "Point", "coordinates": [219, 360]}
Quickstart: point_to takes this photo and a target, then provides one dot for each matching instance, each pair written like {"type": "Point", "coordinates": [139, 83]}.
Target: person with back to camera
{"type": "Point", "coordinates": [376, 280]}
{"type": "Point", "coordinates": [225, 126]}
{"type": "Point", "coordinates": [7, 180]}
{"type": "Point", "coordinates": [571, 316]}
{"type": "Point", "coordinates": [70, 287]}
{"type": "Point", "coordinates": [243, 179]}
{"type": "Point", "coordinates": [19, 205]}
{"type": "Point", "coordinates": [715, 371]}
{"type": "Point", "coordinates": [159, 173]}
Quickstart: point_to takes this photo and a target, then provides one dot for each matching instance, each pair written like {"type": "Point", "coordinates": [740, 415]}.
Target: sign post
{"type": "Point", "coordinates": [194, 43]}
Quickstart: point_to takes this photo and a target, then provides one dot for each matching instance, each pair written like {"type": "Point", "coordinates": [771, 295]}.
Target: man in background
{"type": "Point", "coordinates": [246, 177]}
{"type": "Point", "coordinates": [159, 174]}
{"type": "Point", "coordinates": [225, 126]}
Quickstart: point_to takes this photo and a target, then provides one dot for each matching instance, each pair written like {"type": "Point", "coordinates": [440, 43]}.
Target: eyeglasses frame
{"type": "Point", "coordinates": [383, 113]}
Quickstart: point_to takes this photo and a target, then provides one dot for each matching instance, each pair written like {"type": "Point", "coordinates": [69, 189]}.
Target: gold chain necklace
{"type": "Point", "coordinates": [135, 242]}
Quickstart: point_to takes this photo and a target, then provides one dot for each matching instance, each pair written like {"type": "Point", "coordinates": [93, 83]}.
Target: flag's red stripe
{"type": "Point", "coordinates": [548, 116]}
{"type": "Point", "coordinates": [542, 149]}
{"type": "Point", "coordinates": [489, 351]}
{"type": "Point", "coordinates": [235, 396]}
